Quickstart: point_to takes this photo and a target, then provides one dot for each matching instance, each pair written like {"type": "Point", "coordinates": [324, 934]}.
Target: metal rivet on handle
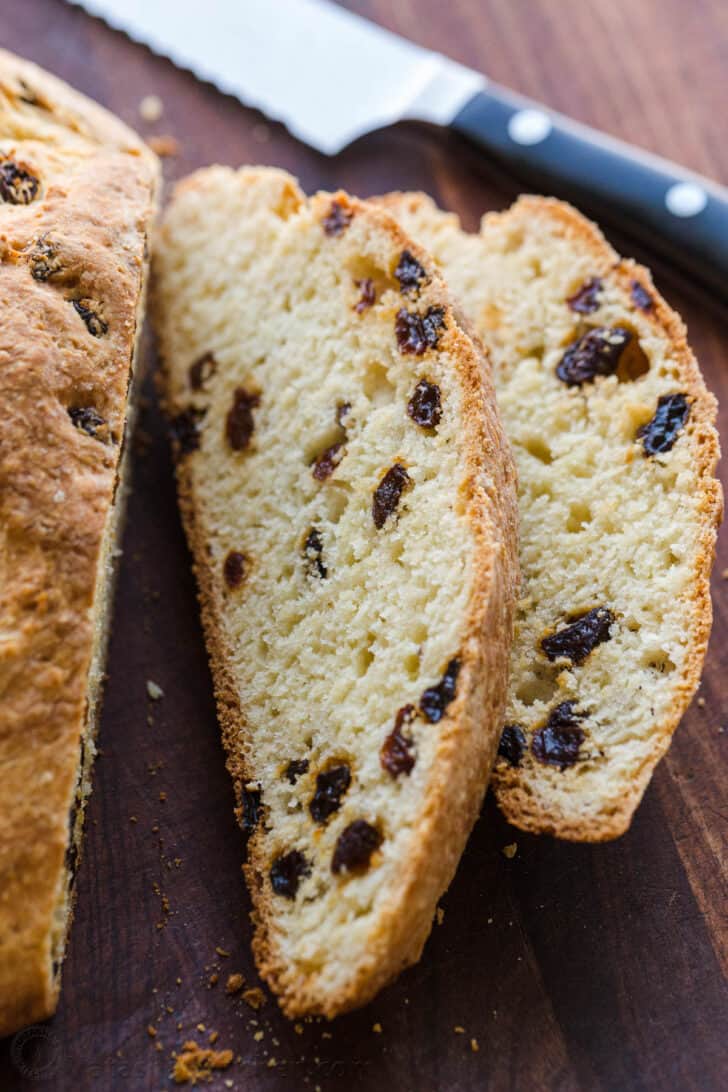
{"type": "Point", "coordinates": [529, 126]}
{"type": "Point", "coordinates": [686, 199]}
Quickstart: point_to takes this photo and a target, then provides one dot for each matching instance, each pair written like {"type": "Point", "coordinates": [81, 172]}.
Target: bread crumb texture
{"type": "Point", "coordinates": [613, 433]}
{"type": "Point", "coordinates": [151, 108]}
{"type": "Point", "coordinates": [350, 502]}
{"type": "Point", "coordinates": [195, 1064]}
{"type": "Point", "coordinates": [77, 192]}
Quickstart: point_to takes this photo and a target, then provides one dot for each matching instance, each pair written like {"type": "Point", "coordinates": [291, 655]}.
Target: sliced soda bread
{"type": "Point", "coordinates": [77, 194]}
{"type": "Point", "coordinates": [612, 430]}
{"type": "Point", "coordinates": [350, 503]}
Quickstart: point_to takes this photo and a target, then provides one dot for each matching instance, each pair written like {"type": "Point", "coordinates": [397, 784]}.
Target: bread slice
{"type": "Point", "coordinates": [613, 432]}
{"type": "Point", "coordinates": [350, 503]}
{"type": "Point", "coordinates": [77, 192]}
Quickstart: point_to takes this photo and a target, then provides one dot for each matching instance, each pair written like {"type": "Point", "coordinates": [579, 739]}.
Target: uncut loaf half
{"type": "Point", "coordinates": [77, 194]}
{"type": "Point", "coordinates": [613, 433]}
{"type": "Point", "coordinates": [349, 499]}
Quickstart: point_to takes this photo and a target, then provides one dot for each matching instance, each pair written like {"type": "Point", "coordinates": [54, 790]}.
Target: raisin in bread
{"type": "Point", "coordinates": [77, 192]}
{"type": "Point", "coordinates": [613, 432]}
{"type": "Point", "coordinates": [350, 504]}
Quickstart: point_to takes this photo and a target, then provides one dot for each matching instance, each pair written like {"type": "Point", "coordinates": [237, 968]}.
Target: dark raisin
{"type": "Point", "coordinates": [586, 299]}
{"type": "Point", "coordinates": [44, 262]}
{"type": "Point", "coordinates": [327, 461]}
{"type": "Point", "coordinates": [580, 637]}
{"type": "Point", "coordinates": [87, 419]}
{"type": "Point", "coordinates": [558, 742]}
{"type": "Point", "coordinates": [94, 323]}
{"type": "Point", "coordinates": [368, 295]}
{"type": "Point", "coordinates": [388, 493]}
{"type": "Point", "coordinates": [338, 219]}
{"type": "Point", "coordinates": [396, 754]}
{"type": "Point", "coordinates": [659, 434]}
{"type": "Point", "coordinates": [250, 811]}
{"type": "Point", "coordinates": [203, 369]}
{"type": "Point", "coordinates": [287, 871]}
{"type": "Point", "coordinates": [354, 847]}
{"type": "Point", "coordinates": [512, 744]}
{"type": "Point", "coordinates": [342, 412]}
{"type": "Point", "coordinates": [597, 352]}
{"type": "Point", "coordinates": [409, 273]}
{"type": "Point", "coordinates": [435, 699]}
{"type": "Point", "coordinates": [234, 569]}
{"type": "Point", "coordinates": [295, 769]}
{"type": "Point", "coordinates": [27, 94]}
{"type": "Point", "coordinates": [330, 787]}
{"type": "Point", "coordinates": [424, 406]}
{"type": "Point", "coordinates": [418, 333]}
{"type": "Point", "coordinates": [17, 186]}
{"type": "Point", "coordinates": [641, 298]}
{"type": "Point", "coordinates": [239, 423]}
{"type": "Point", "coordinates": [313, 549]}
{"type": "Point", "coordinates": [184, 430]}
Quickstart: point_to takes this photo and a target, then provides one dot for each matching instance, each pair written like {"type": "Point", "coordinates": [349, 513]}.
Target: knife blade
{"type": "Point", "coordinates": [327, 75]}
{"type": "Point", "coordinates": [330, 77]}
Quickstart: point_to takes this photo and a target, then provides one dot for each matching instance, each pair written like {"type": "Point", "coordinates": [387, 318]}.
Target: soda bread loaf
{"type": "Point", "coordinates": [613, 433]}
{"type": "Point", "coordinates": [350, 503]}
{"type": "Point", "coordinates": [77, 193]}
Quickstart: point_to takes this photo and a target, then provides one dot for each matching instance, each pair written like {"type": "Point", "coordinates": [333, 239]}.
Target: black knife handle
{"type": "Point", "coordinates": [682, 216]}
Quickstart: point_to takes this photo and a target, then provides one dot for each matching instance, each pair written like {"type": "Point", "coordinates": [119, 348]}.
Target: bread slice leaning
{"type": "Point", "coordinates": [349, 500]}
{"type": "Point", "coordinates": [77, 193]}
{"type": "Point", "coordinates": [613, 433]}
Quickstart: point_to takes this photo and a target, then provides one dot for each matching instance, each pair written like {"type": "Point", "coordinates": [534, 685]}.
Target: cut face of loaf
{"type": "Point", "coordinates": [612, 430]}
{"type": "Point", "coordinates": [77, 193]}
{"type": "Point", "coordinates": [350, 503]}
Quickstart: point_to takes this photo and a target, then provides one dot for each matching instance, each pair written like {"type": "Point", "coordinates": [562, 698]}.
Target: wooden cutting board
{"type": "Point", "coordinates": [565, 967]}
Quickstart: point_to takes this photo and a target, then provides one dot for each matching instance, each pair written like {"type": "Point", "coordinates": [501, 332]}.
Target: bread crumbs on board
{"type": "Point", "coordinates": [234, 983]}
{"type": "Point", "coordinates": [254, 997]}
{"type": "Point", "coordinates": [151, 108]}
{"type": "Point", "coordinates": [474, 1046]}
{"type": "Point", "coordinates": [510, 850]}
{"type": "Point", "coordinates": [195, 1063]}
{"type": "Point", "coordinates": [440, 915]}
{"type": "Point", "coordinates": [164, 146]}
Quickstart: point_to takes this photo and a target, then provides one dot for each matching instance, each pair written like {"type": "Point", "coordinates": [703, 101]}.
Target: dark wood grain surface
{"type": "Point", "coordinates": [573, 967]}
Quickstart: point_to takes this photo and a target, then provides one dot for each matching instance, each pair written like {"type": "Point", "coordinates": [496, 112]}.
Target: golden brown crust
{"type": "Point", "coordinates": [519, 805]}
{"type": "Point", "coordinates": [57, 484]}
{"type": "Point", "coordinates": [468, 735]}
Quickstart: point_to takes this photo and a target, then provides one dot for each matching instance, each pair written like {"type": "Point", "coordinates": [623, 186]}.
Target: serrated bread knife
{"type": "Point", "coordinates": [330, 76]}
